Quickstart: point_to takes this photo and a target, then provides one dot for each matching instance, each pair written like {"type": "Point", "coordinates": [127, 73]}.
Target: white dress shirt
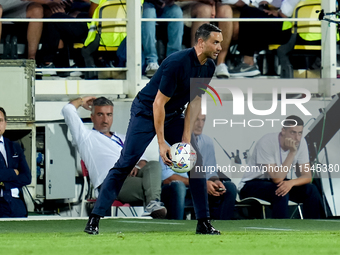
{"type": "Point", "coordinates": [98, 151]}
{"type": "Point", "coordinates": [14, 191]}
{"type": "Point", "coordinates": [2, 148]}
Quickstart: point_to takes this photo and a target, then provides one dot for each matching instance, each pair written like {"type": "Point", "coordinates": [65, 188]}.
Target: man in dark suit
{"type": "Point", "coordinates": [14, 174]}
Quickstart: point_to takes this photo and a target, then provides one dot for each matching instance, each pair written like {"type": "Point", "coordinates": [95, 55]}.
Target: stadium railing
{"type": "Point", "coordinates": [135, 82]}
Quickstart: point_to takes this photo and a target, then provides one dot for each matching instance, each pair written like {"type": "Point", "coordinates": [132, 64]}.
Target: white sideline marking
{"type": "Point", "coordinates": [53, 217]}
{"type": "Point", "coordinates": [153, 222]}
{"type": "Point", "coordinates": [275, 229]}
{"type": "Point", "coordinates": [338, 221]}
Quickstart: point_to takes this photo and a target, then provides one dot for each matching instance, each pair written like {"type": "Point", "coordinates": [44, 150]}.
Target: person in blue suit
{"type": "Point", "coordinates": [14, 174]}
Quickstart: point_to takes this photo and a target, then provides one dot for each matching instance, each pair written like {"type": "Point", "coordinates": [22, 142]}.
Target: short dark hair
{"type": "Point", "coordinates": [293, 120]}
{"type": "Point", "coordinates": [4, 112]}
{"type": "Point", "coordinates": [101, 101]}
{"type": "Point", "coordinates": [205, 30]}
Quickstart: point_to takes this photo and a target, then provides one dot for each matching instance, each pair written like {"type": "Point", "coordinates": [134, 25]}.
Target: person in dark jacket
{"type": "Point", "coordinates": [14, 174]}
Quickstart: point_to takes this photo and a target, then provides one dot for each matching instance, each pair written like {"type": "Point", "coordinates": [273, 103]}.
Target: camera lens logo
{"type": "Point", "coordinates": [210, 94]}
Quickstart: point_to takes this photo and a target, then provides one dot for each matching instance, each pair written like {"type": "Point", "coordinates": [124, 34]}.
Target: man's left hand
{"type": "Point", "coordinates": [185, 139]}
{"type": "Point", "coordinates": [283, 188]}
{"type": "Point", "coordinates": [134, 172]}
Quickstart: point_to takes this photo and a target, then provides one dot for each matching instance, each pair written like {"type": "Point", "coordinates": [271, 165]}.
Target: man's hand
{"type": "Point", "coordinates": [88, 102]}
{"type": "Point", "coordinates": [57, 9]}
{"type": "Point", "coordinates": [85, 102]}
{"type": "Point", "coordinates": [212, 188]}
{"type": "Point", "coordinates": [16, 171]}
{"type": "Point", "coordinates": [283, 188]}
{"type": "Point", "coordinates": [164, 151]}
{"type": "Point", "coordinates": [56, 6]}
{"type": "Point", "coordinates": [134, 172]}
{"type": "Point", "coordinates": [272, 12]}
{"type": "Point", "coordinates": [291, 145]}
{"type": "Point", "coordinates": [186, 139]}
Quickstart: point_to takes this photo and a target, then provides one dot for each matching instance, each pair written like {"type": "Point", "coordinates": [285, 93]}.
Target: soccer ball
{"type": "Point", "coordinates": [183, 157]}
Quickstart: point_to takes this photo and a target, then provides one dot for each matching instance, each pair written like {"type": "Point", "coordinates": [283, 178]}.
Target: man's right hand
{"type": "Point", "coordinates": [164, 151]}
{"type": "Point", "coordinates": [212, 188]}
{"type": "Point", "coordinates": [88, 102]}
{"type": "Point", "coordinates": [291, 144]}
{"type": "Point", "coordinates": [16, 171]}
{"type": "Point", "coordinates": [274, 13]}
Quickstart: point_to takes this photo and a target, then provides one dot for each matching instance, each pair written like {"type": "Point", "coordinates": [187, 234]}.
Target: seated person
{"type": "Point", "coordinates": [26, 9]}
{"type": "Point", "coordinates": [282, 151]}
{"type": "Point", "coordinates": [160, 9]}
{"type": "Point", "coordinates": [256, 36]}
{"type": "Point", "coordinates": [222, 192]}
{"type": "Point", "coordinates": [14, 174]}
{"type": "Point", "coordinates": [215, 9]}
{"type": "Point", "coordinates": [100, 149]}
{"type": "Point", "coordinates": [58, 34]}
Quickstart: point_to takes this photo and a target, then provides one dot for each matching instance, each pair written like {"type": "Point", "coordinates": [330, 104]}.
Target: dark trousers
{"type": "Point", "coordinates": [68, 32]}
{"type": "Point", "coordinates": [256, 36]}
{"type": "Point", "coordinates": [139, 134]}
{"type": "Point", "coordinates": [222, 207]}
{"type": "Point", "coordinates": [12, 207]}
{"type": "Point", "coordinates": [176, 196]}
{"type": "Point", "coordinates": [306, 194]}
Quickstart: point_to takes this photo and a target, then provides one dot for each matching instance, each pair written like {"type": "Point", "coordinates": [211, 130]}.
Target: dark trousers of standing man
{"type": "Point", "coordinates": [140, 133]}
{"type": "Point", "coordinates": [256, 36]}
{"type": "Point", "coordinates": [306, 194]}
{"type": "Point", "coordinates": [68, 32]}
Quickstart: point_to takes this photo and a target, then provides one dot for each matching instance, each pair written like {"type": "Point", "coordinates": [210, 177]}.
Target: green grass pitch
{"type": "Point", "coordinates": [138, 236]}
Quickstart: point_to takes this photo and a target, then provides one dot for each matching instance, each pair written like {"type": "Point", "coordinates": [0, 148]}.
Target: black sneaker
{"type": "Point", "coordinates": [92, 226]}
{"type": "Point", "coordinates": [205, 228]}
{"type": "Point", "coordinates": [244, 70]}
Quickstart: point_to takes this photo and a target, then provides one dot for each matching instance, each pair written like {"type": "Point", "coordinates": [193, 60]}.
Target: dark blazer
{"type": "Point", "coordinates": [15, 160]}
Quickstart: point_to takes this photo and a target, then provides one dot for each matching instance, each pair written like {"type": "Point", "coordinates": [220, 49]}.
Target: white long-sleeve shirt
{"type": "Point", "coordinates": [98, 151]}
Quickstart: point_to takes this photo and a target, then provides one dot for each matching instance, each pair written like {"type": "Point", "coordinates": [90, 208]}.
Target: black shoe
{"type": "Point", "coordinates": [205, 228]}
{"type": "Point", "coordinates": [92, 225]}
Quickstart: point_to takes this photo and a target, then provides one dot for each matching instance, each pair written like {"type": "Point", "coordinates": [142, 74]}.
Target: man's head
{"type": "Point", "coordinates": [293, 128]}
{"type": "Point", "coordinates": [3, 121]}
{"type": "Point", "coordinates": [208, 39]}
{"type": "Point", "coordinates": [199, 124]}
{"type": "Point", "coordinates": [102, 115]}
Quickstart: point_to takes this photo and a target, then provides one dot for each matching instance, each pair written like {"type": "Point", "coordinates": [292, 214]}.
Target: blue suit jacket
{"type": "Point", "coordinates": [15, 160]}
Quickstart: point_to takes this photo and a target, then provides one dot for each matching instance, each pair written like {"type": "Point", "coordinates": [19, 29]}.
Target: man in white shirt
{"type": "Point", "coordinates": [175, 190]}
{"type": "Point", "coordinates": [14, 174]}
{"type": "Point", "coordinates": [100, 148]}
{"type": "Point", "coordinates": [271, 167]}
